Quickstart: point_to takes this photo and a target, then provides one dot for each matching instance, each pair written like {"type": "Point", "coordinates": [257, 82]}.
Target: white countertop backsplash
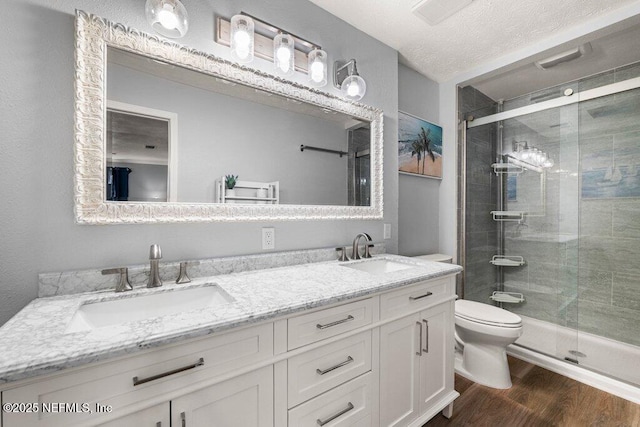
{"type": "Point", "coordinates": [34, 342]}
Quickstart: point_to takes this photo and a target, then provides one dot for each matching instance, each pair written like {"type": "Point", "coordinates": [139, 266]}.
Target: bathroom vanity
{"type": "Point", "coordinates": [362, 343]}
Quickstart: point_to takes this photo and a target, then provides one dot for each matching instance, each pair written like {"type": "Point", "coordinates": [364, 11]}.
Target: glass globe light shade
{"type": "Point", "coordinates": [167, 17]}
{"type": "Point", "coordinates": [283, 54]}
{"type": "Point", "coordinates": [353, 87]}
{"type": "Point", "coordinates": [317, 66]}
{"type": "Point", "coordinates": [242, 38]}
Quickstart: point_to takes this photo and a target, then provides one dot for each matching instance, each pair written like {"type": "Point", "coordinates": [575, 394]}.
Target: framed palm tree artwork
{"type": "Point", "coordinates": [419, 147]}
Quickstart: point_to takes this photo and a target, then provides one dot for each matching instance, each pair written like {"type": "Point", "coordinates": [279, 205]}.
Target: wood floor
{"type": "Point", "coordinates": [538, 398]}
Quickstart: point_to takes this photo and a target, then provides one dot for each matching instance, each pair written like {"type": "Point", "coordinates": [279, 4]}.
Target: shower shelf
{"type": "Point", "coordinates": [510, 297]}
{"type": "Point", "coordinates": [508, 216]}
{"type": "Point", "coordinates": [507, 261]}
{"type": "Point", "coordinates": [500, 168]}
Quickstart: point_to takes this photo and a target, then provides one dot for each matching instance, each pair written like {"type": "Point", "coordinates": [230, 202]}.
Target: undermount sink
{"type": "Point", "coordinates": [379, 266]}
{"type": "Point", "coordinates": [94, 315]}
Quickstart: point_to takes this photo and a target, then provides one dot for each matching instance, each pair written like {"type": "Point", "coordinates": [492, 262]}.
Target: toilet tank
{"type": "Point", "coordinates": [436, 257]}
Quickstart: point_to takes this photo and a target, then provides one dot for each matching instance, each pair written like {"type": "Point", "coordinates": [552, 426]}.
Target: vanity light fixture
{"type": "Point", "coordinates": [530, 155]}
{"type": "Point", "coordinates": [347, 79]}
{"type": "Point", "coordinates": [317, 68]}
{"type": "Point", "coordinates": [242, 38]}
{"type": "Point", "coordinates": [167, 17]}
{"type": "Point", "coordinates": [288, 52]}
{"type": "Point", "coordinates": [283, 54]}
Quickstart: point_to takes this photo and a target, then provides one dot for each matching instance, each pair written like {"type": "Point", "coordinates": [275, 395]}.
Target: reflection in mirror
{"type": "Point", "coordinates": [227, 128]}
{"type": "Point", "coordinates": [138, 161]}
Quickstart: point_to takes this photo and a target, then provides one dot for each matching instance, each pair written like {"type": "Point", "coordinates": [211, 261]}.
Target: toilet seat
{"type": "Point", "coordinates": [486, 314]}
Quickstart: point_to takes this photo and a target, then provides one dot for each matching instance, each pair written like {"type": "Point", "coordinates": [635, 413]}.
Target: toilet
{"type": "Point", "coordinates": [483, 333]}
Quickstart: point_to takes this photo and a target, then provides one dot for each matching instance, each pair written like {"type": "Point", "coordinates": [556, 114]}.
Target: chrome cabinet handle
{"type": "Point", "coordinates": [339, 365]}
{"type": "Point", "coordinates": [333, 417]}
{"type": "Point", "coordinates": [419, 352]}
{"type": "Point", "coordinates": [428, 294]}
{"type": "Point", "coordinates": [426, 336]}
{"type": "Point", "coordinates": [337, 322]}
{"type": "Point", "coordinates": [137, 381]}
{"type": "Point", "coordinates": [183, 419]}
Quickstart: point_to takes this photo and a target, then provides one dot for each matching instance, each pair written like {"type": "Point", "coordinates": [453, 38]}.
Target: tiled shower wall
{"type": "Point", "coordinates": [481, 198]}
{"type": "Point", "coordinates": [583, 252]}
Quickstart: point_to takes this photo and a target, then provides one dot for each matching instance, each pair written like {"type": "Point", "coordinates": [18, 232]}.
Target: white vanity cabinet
{"type": "Point", "coordinates": [416, 354]}
{"type": "Point", "coordinates": [246, 400]}
{"type": "Point", "coordinates": [382, 360]}
{"type": "Point", "coordinates": [141, 383]}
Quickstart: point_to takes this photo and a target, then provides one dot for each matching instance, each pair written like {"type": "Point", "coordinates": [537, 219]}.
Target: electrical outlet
{"type": "Point", "coordinates": [269, 238]}
{"type": "Point", "coordinates": [387, 231]}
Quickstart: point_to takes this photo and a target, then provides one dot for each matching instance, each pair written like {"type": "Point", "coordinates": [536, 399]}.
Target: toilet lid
{"type": "Point", "coordinates": [486, 314]}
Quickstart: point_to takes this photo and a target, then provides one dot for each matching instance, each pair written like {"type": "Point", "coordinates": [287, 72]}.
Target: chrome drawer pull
{"type": "Point", "coordinates": [339, 365]}
{"type": "Point", "coordinates": [428, 294]}
{"type": "Point", "coordinates": [337, 322]}
{"type": "Point", "coordinates": [137, 381]}
{"type": "Point", "coordinates": [419, 352]}
{"type": "Point", "coordinates": [333, 417]}
{"type": "Point", "coordinates": [426, 336]}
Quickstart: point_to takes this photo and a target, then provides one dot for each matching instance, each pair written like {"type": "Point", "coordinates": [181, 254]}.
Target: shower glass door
{"type": "Point", "coordinates": [542, 189]}
{"type": "Point", "coordinates": [552, 213]}
{"type": "Point", "coordinates": [521, 227]}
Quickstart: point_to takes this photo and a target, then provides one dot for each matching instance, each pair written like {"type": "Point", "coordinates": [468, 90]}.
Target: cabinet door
{"type": "Point", "coordinates": [245, 401]}
{"type": "Point", "coordinates": [399, 371]}
{"type": "Point", "coordinates": [436, 377]}
{"type": "Point", "coordinates": [156, 416]}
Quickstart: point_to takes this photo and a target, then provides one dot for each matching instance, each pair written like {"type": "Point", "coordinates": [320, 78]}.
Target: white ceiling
{"type": "Point", "coordinates": [479, 33]}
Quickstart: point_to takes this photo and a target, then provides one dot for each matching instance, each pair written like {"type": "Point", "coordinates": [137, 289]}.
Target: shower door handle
{"type": "Point", "coordinates": [419, 352]}
{"type": "Point", "coordinates": [426, 336]}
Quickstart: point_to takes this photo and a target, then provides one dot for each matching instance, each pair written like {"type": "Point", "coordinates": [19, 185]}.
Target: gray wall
{"type": "Point", "coordinates": [36, 89]}
{"type": "Point", "coordinates": [418, 206]}
{"type": "Point", "coordinates": [221, 135]}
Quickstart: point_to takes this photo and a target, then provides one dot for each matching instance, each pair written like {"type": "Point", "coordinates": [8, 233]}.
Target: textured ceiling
{"type": "Point", "coordinates": [481, 32]}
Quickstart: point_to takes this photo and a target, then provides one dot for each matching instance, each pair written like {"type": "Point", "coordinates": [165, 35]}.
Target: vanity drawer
{"type": "Point", "coordinates": [317, 371]}
{"type": "Point", "coordinates": [319, 325]}
{"type": "Point", "coordinates": [415, 297]}
{"type": "Point", "coordinates": [112, 383]}
{"type": "Point", "coordinates": [346, 405]}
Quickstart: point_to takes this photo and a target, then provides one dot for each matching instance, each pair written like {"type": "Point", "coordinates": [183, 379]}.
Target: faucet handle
{"type": "Point", "coordinates": [343, 254]}
{"type": "Point", "coordinates": [182, 276]}
{"type": "Point", "coordinates": [124, 284]}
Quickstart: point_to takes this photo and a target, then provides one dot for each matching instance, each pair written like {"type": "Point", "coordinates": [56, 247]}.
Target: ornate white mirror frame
{"type": "Point", "coordinates": [93, 36]}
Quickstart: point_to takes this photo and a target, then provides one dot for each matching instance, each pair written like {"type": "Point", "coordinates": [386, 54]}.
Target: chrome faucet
{"type": "Point", "coordinates": [355, 254]}
{"type": "Point", "coordinates": [155, 254]}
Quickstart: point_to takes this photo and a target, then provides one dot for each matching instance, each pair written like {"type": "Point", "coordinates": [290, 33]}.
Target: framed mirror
{"type": "Point", "coordinates": [158, 127]}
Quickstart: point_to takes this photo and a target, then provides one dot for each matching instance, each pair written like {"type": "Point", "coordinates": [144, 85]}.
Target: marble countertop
{"type": "Point", "coordinates": [36, 342]}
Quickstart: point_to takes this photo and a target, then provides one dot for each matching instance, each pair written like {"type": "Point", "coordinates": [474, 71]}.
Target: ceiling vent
{"type": "Point", "coordinates": [436, 11]}
{"type": "Point", "coordinates": [566, 56]}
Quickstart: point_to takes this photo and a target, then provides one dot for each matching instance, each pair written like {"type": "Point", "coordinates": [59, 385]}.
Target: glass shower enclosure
{"type": "Point", "coordinates": [551, 217]}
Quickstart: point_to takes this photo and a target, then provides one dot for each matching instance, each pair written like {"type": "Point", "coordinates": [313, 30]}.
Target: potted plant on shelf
{"type": "Point", "coordinates": [230, 182]}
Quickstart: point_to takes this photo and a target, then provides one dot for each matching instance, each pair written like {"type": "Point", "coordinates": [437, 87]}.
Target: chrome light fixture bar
{"type": "Point", "coordinates": [264, 35]}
